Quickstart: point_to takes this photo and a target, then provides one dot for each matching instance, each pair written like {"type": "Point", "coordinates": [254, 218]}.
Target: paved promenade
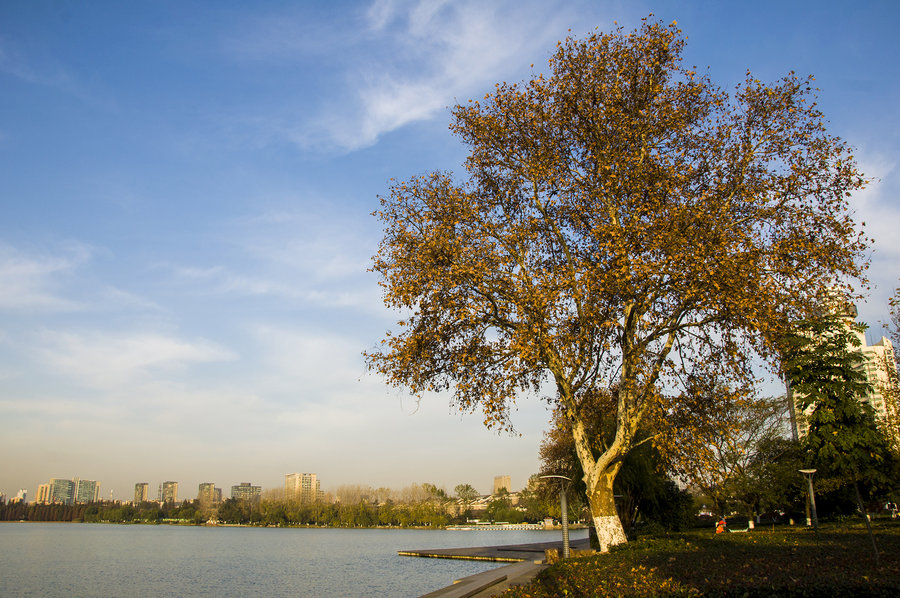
{"type": "Point", "coordinates": [525, 561]}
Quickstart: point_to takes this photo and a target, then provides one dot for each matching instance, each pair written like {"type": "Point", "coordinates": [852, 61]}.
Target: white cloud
{"type": "Point", "coordinates": [31, 282]}
{"type": "Point", "coordinates": [59, 281]}
{"type": "Point", "coordinates": [400, 62]}
{"type": "Point", "coordinates": [381, 12]}
{"type": "Point", "coordinates": [455, 49]}
{"type": "Point", "coordinates": [222, 280]}
{"type": "Point", "coordinates": [309, 359]}
{"type": "Point", "coordinates": [877, 207]}
{"type": "Point", "coordinates": [320, 253]}
{"type": "Point", "coordinates": [111, 360]}
{"type": "Point", "coordinates": [314, 257]}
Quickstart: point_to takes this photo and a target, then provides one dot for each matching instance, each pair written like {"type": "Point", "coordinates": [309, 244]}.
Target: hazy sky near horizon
{"type": "Point", "coordinates": [186, 192]}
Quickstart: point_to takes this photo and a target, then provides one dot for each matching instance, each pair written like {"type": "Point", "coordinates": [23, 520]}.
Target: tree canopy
{"type": "Point", "coordinates": [622, 223]}
{"type": "Point", "coordinates": [718, 455]}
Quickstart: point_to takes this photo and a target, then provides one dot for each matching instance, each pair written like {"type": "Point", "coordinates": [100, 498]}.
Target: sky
{"type": "Point", "coordinates": [186, 198]}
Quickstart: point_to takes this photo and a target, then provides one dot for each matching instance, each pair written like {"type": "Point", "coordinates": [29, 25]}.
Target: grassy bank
{"type": "Point", "coordinates": [763, 562]}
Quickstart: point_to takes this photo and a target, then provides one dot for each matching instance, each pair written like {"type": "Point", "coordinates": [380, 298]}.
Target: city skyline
{"type": "Point", "coordinates": [187, 195]}
{"type": "Point", "coordinates": [305, 487]}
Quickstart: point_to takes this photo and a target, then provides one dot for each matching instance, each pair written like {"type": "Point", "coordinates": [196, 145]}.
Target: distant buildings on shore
{"type": "Point", "coordinates": [141, 490]}
{"type": "Point", "coordinates": [208, 495]}
{"type": "Point", "coordinates": [167, 492]}
{"type": "Point", "coordinates": [67, 492]}
{"type": "Point", "coordinates": [21, 496]}
{"type": "Point", "coordinates": [302, 486]}
{"type": "Point", "coordinates": [246, 493]}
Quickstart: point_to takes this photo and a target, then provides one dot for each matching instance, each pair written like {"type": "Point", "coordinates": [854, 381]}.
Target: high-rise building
{"type": "Point", "coordinates": [209, 495]}
{"type": "Point", "coordinates": [43, 494]}
{"type": "Point", "coordinates": [501, 482]}
{"type": "Point", "coordinates": [244, 492]}
{"type": "Point", "coordinates": [168, 492]}
{"type": "Point", "coordinates": [21, 496]}
{"type": "Point", "coordinates": [62, 491]}
{"type": "Point", "coordinates": [880, 370]}
{"type": "Point", "coordinates": [87, 491]}
{"type": "Point", "coordinates": [301, 486]}
{"type": "Point", "coordinates": [141, 490]}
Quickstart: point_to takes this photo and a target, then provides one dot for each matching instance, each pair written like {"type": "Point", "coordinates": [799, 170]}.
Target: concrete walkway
{"type": "Point", "coordinates": [527, 560]}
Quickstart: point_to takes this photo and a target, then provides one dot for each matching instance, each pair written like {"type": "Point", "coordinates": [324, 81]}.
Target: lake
{"type": "Point", "coordinates": [64, 559]}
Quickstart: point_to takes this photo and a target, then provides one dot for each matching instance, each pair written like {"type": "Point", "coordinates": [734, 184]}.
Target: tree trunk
{"type": "Point", "coordinates": [603, 510]}
{"type": "Point", "coordinates": [865, 514]}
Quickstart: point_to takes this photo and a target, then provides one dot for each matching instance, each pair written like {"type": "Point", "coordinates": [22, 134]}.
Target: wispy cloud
{"type": "Point", "coordinates": [320, 360]}
{"type": "Point", "coordinates": [311, 256]}
{"type": "Point", "coordinates": [877, 207]}
{"type": "Point", "coordinates": [32, 282]}
{"type": "Point", "coordinates": [454, 48]}
{"type": "Point", "coordinates": [59, 279]}
{"type": "Point", "coordinates": [399, 62]}
{"type": "Point", "coordinates": [289, 35]}
{"type": "Point", "coordinates": [880, 213]}
{"type": "Point", "coordinates": [46, 71]}
{"type": "Point", "coordinates": [224, 280]}
{"type": "Point", "coordinates": [111, 360]}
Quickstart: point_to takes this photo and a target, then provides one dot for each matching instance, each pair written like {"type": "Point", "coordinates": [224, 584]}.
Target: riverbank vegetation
{"type": "Point", "coordinates": [265, 513]}
{"type": "Point", "coordinates": [790, 561]}
{"type": "Point", "coordinates": [418, 505]}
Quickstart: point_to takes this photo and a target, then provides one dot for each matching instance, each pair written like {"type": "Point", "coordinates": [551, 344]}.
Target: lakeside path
{"type": "Point", "coordinates": [526, 561]}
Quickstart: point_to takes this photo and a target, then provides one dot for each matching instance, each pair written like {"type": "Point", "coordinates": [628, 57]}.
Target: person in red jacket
{"type": "Point", "coordinates": [720, 526]}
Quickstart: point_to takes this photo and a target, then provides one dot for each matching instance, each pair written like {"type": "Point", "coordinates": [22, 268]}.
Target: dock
{"type": "Point", "coordinates": [524, 561]}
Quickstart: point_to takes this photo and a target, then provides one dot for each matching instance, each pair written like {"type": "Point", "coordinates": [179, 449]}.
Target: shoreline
{"type": "Point", "coordinates": [518, 527]}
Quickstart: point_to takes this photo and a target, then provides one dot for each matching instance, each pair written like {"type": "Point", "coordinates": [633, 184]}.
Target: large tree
{"type": "Point", "coordinates": [623, 221]}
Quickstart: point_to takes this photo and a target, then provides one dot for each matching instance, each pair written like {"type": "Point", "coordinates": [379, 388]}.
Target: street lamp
{"type": "Point", "coordinates": [564, 509]}
{"type": "Point", "coordinates": [812, 496]}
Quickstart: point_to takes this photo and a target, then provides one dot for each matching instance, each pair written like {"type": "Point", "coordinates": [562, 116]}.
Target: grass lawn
{"type": "Point", "coordinates": [789, 561]}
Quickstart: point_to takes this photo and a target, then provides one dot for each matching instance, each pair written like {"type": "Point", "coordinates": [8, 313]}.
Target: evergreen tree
{"type": "Point", "coordinates": [826, 377]}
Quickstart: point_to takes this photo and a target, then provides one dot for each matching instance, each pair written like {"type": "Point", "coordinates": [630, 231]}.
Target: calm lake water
{"type": "Point", "coordinates": [59, 559]}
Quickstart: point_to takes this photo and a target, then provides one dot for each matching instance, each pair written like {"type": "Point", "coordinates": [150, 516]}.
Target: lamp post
{"type": "Point", "coordinates": [564, 510]}
{"type": "Point", "coordinates": [808, 473]}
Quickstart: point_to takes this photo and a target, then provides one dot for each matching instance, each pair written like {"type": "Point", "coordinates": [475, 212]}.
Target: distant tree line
{"type": "Point", "coordinates": [424, 505]}
{"type": "Point", "coordinates": [102, 511]}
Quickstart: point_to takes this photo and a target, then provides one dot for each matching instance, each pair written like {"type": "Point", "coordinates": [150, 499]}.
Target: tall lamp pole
{"type": "Point", "coordinates": [812, 496]}
{"type": "Point", "coordinates": [564, 510]}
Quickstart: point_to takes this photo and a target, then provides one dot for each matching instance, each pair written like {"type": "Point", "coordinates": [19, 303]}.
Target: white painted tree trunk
{"type": "Point", "coordinates": [599, 477]}
{"type": "Point", "coordinates": [603, 511]}
{"type": "Point", "coordinates": [609, 531]}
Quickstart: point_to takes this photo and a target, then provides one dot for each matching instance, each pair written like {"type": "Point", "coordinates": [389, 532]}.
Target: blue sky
{"type": "Point", "coordinates": [186, 192]}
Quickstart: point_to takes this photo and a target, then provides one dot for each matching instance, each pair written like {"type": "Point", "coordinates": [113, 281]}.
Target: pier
{"type": "Point", "coordinates": [524, 562]}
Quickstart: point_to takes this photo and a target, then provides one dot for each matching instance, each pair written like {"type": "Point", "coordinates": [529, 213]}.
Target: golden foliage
{"type": "Point", "coordinates": [623, 221]}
